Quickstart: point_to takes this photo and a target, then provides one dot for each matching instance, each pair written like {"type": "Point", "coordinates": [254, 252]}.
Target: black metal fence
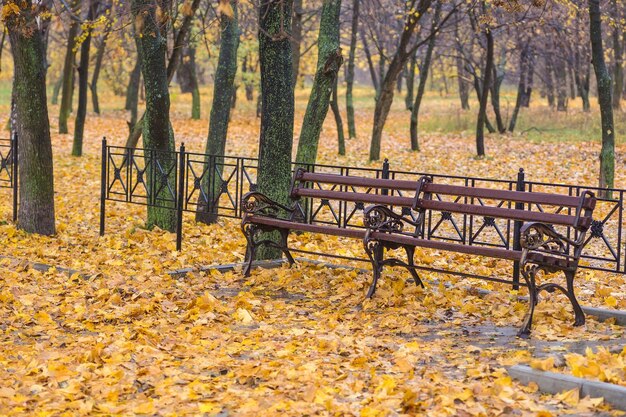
{"type": "Point", "coordinates": [8, 169]}
{"type": "Point", "coordinates": [124, 179]}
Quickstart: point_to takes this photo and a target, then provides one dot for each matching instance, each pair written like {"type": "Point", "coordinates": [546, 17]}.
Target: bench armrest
{"type": "Point", "coordinates": [255, 202]}
{"type": "Point", "coordinates": [537, 236]}
{"type": "Point", "coordinates": [382, 219]}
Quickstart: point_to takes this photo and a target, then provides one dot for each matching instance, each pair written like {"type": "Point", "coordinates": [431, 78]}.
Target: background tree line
{"type": "Point", "coordinates": [558, 51]}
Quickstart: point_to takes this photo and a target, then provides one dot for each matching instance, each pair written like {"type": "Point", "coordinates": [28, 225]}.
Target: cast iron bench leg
{"type": "Point", "coordinates": [410, 251]}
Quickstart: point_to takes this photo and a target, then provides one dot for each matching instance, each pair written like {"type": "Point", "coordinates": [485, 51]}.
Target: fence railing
{"type": "Point", "coordinates": [215, 184]}
{"type": "Point", "coordinates": [9, 169]}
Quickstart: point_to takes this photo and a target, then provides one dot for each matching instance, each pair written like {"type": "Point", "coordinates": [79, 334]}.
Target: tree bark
{"type": "Point", "coordinates": [223, 91]}
{"type": "Point", "coordinates": [603, 79]}
{"type": "Point", "coordinates": [132, 94]}
{"type": "Point", "coordinates": [83, 85]}
{"type": "Point", "coordinates": [421, 88]}
{"type": "Point", "coordinates": [277, 110]}
{"type": "Point", "coordinates": [328, 63]}
{"type": "Point", "coordinates": [68, 78]}
{"type": "Point", "coordinates": [36, 199]}
{"type": "Point", "coordinates": [460, 69]}
{"type": "Point", "coordinates": [498, 77]}
{"type": "Point", "coordinates": [521, 85]}
{"type": "Point", "coordinates": [96, 71]}
{"type": "Point", "coordinates": [334, 105]}
{"type": "Point", "coordinates": [350, 69]}
{"type": "Point", "coordinates": [158, 136]}
{"type": "Point", "coordinates": [370, 63]}
{"type": "Point", "coordinates": [296, 37]}
{"type": "Point", "coordinates": [188, 78]}
{"type": "Point", "coordinates": [618, 71]}
{"type": "Point", "coordinates": [482, 111]}
{"type": "Point", "coordinates": [410, 83]}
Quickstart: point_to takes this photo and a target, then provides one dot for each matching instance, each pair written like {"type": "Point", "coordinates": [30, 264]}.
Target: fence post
{"type": "Point", "coordinates": [385, 175]}
{"type": "Point", "coordinates": [519, 186]}
{"type": "Point", "coordinates": [103, 183]}
{"type": "Point", "coordinates": [181, 197]}
{"type": "Point", "coordinates": [15, 175]}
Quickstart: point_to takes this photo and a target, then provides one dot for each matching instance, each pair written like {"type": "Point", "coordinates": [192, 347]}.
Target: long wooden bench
{"type": "Point", "coordinates": [543, 248]}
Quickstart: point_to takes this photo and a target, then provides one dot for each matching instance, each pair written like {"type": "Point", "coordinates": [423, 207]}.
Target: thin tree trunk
{"type": "Point", "coordinates": [36, 197]}
{"type": "Point", "coordinates": [56, 90]}
{"type": "Point", "coordinates": [498, 77]}
{"type": "Point", "coordinates": [521, 85]}
{"type": "Point", "coordinates": [410, 83]}
{"type": "Point", "coordinates": [96, 72]}
{"type": "Point", "coordinates": [421, 88]}
{"type": "Point", "coordinates": [603, 79]}
{"type": "Point", "coordinates": [560, 72]}
{"type": "Point", "coordinates": [618, 71]}
{"type": "Point", "coordinates": [83, 85]}
{"type": "Point", "coordinates": [460, 69]}
{"type": "Point", "coordinates": [277, 112]}
{"type": "Point", "coordinates": [328, 63]}
{"type": "Point", "coordinates": [370, 63]}
{"type": "Point", "coordinates": [350, 69]}
{"type": "Point", "coordinates": [482, 111]}
{"type": "Point", "coordinates": [334, 105]}
{"type": "Point", "coordinates": [158, 136]}
{"type": "Point", "coordinates": [223, 91]}
{"type": "Point", "coordinates": [549, 65]}
{"type": "Point", "coordinates": [68, 78]}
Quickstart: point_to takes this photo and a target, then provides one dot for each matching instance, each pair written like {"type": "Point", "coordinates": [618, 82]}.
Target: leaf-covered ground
{"type": "Point", "coordinates": [131, 339]}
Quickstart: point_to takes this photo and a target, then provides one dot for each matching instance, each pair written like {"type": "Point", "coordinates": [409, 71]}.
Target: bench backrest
{"type": "Point", "coordinates": [424, 194]}
{"type": "Point", "coordinates": [572, 211]}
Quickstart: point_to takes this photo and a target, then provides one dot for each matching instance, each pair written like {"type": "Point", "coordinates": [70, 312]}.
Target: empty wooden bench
{"type": "Point", "coordinates": [543, 247]}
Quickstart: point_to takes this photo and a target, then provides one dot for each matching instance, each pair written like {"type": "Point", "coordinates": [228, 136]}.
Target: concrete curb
{"type": "Point", "coordinates": [554, 383]}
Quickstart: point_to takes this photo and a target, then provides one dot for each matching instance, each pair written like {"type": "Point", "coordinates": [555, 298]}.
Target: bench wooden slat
{"type": "Point", "coordinates": [305, 227]}
{"type": "Point", "coordinates": [359, 181]}
{"type": "Point", "coordinates": [508, 195]}
{"type": "Point", "coordinates": [500, 253]}
{"type": "Point", "coordinates": [393, 200]}
{"type": "Point", "coordinates": [505, 213]}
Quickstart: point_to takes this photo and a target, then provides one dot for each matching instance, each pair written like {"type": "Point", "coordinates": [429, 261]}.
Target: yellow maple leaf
{"type": "Point", "coordinates": [543, 364]}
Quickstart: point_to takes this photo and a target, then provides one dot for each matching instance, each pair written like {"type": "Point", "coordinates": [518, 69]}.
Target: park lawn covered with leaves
{"type": "Point", "coordinates": [124, 337]}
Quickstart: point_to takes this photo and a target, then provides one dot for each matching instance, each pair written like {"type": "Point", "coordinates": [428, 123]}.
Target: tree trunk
{"type": "Point", "coordinates": [482, 111]}
{"type": "Point", "coordinates": [83, 85]}
{"type": "Point", "coordinates": [498, 77]}
{"type": "Point", "coordinates": [618, 71]}
{"type": "Point", "coordinates": [68, 78]}
{"type": "Point", "coordinates": [96, 72]}
{"type": "Point", "coordinates": [410, 83]}
{"type": "Point", "coordinates": [560, 76]}
{"type": "Point", "coordinates": [521, 85]}
{"type": "Point", "coordinates": [223, 91]}
{"type": "Point", "coordinates": [350, 69]}
{"type": "Point", "coordinates": [370, 63]}
{"type": "Point", "coordinates": [460, 69]}
{"type": "Point", "coordinates": [328, 63]}
{"type": "Point", "coordinates": [277, 111]}
{"type": "Point", "coordinates": [56, 90]}
{"type": "Point", "coordinates": [132, 94]}
{"type": "Point", "coordinates": [530, 77]}
{"type": "Point", "coordinates": [424, 69]}
{"type": "Point", "coordinates": [188, 78]}
{"type": "Point", "coordinates": [549, 65]}
{"type": "Point", "coordinates": [296, 37]}
{"type": "Point", "coordinates": [158, 136]}
{"type": "Point", "coordinates": [402, 55]}
{"type": "Point", "coordinates": [603, 78]}
{"type": "Point", "coordinates": [36, 199]}
{"type": "Point", "coordinates": [334, 105]}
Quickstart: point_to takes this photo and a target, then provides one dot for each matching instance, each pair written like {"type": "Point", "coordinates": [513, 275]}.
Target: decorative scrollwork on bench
{"type": "Point", "coordinates": [259, 204]}
{"type": "Point", "coordinates": [383, 219]}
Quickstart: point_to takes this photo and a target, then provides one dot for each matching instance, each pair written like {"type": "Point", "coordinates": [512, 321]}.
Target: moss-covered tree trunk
{"type": "Point", "coordinates": [296, 37]}
{"type": "Point", "coordinates": [68, 78]}
{"type": "Point", "coordinates": [350, 69]}
{"type": "Point", "coordinates": [36, 200]}
{"type": "Point", "coordinates": [603, 79]}
{"type": "Point", "coordinates": [277, 109]}
{"type": "Point", "coordinates": [421, 88]}
{"type": "Point", "coordinates": [334, 105]}
{"type": "Point", "coordinates": [83, 85]}
{"type": "Point", "coordinates": [158, 136]}
{"type": "Point", "coordinates": [223, 91]}
{"type": "Point", "coordinates": [328, 63]}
